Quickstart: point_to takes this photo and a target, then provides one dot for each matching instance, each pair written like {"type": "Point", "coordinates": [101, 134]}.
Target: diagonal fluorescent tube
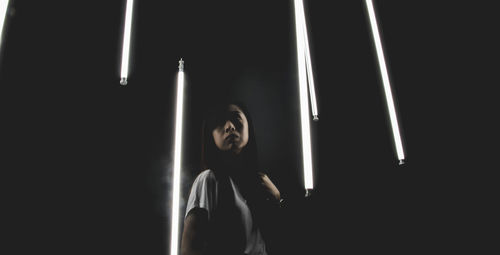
{"type": "Point", "coordinates": [126, 41]}
{"type": "Point", "coordinates": [174, 241]}
{"type": "Point", "coordinates": [3, 13]}
{"type": "Point", "coordinates": [385, 79]}
{"type": "Point", "coordinates": [304, 106]}
{"type": "Point", "coordinates": [307, 53]}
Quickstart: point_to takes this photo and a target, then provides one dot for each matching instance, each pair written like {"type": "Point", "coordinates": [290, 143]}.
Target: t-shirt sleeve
{"type": "Point", "coordinates": [203, 193]}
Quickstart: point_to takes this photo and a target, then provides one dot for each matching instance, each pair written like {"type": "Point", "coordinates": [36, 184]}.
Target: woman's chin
{"type": "Point", "coordinates": [232, 150]}
{"type": "Point", "coordinates": [235, 151]}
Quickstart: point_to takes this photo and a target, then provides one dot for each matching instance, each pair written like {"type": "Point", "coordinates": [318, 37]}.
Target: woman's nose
{"type": "Point", "coordinates": [229, 126]}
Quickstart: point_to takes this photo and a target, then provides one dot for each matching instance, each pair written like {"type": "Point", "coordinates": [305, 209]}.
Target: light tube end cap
{"type": "Point", "coordinates": [315, 118]}
{"type": "Point", "coordinates": [181, 65]}
{"type": "Point", "coordinates": [401, 162]}
{"type": "Point", "coordinates": [123, 81]}
{"type": "Point", "coordinates": [308, 192]}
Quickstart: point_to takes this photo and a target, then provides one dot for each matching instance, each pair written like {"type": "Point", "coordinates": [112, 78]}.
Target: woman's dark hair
{"type": "Point", "coordinates": [228, 230]}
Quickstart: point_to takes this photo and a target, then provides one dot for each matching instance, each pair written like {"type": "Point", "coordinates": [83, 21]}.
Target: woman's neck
{"type": "Point", "coordinates": [229, 160]}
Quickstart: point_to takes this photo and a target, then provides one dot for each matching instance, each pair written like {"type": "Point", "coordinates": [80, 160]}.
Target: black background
{"type": "Point", "coordinates": [87, 161]}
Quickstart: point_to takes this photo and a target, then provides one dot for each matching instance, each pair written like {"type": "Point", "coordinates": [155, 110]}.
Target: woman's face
{"type": "Point", "coordinates": [231, 134]}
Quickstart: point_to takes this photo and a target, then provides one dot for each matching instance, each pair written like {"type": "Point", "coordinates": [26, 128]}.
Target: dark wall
{"type": "Point", "coordinates": [88, 161]}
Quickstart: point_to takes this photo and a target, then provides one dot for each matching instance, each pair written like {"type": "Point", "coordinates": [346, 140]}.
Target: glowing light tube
{"type": "Point", "coordinates": [307, 53]}
{"type": "Point", "coordinates": [174, 241]}
{"type": "Point", "coordinates": [304, 106]}
{"type": "Point", "coordinates": [126, 41]}
{"type": "Point", "coordinates": [385, 79]}
{"type": "Point", "coordinates": [3, 13]}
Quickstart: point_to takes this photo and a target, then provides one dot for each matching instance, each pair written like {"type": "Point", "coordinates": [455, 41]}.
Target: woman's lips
{"type": "Point", "coordinates": [232, 137]}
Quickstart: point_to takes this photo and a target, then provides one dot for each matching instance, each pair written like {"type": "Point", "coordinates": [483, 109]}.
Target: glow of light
{"type": "Point", "coordinates": [385, 79]}
{"type": "Point", "coordinates": [304, 106]}
{"type": "Point", "coordinates": [3, 13]}
{"type": "Point", "coordinates": [174, 241]}
{"type": "Point", "coordinates": [126, 41]}
{"type": "Point", "coordinates": [307, 53]}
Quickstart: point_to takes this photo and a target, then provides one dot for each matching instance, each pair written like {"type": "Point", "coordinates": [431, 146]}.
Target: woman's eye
{"type": "Point", "coordinates": [236, 120]}
{"type": "Point", "coordinates": [236, 115]}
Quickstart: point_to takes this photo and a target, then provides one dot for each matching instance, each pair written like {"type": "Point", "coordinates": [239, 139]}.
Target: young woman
{"type": "Point", "coordinates": [231, 200]}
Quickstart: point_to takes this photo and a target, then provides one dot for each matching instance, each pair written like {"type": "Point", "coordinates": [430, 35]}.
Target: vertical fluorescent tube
{"type": "Point", "coordinates": [174, 235]}
{"type": "Point", "coordinates": [387, 85]}
{"type": "Point", "coordinates": [312, 91]}
{"type": "Point", "coordinates": [126, 41]}
{"type": "Point", "coordinates": [304, 106]}
{"type": "Point", "coordinates": [3, 13]}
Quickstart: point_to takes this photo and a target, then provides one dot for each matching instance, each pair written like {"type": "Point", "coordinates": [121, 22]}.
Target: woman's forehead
{"type": "Point", "coordinates": [228, 112]}
{"type": "Point", "coordinates": [234, 108]}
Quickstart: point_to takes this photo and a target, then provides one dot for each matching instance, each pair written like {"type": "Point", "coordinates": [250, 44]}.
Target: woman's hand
{"type": "Point", "coordinates": [269, 187]}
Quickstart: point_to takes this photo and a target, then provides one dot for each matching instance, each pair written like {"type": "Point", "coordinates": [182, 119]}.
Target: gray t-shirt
{"type": "Point", "coordinates": [204, 195]}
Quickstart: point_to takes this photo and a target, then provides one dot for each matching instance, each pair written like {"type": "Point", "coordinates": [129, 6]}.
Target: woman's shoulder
{"type": "Point", "coordinates": [206, 176]}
